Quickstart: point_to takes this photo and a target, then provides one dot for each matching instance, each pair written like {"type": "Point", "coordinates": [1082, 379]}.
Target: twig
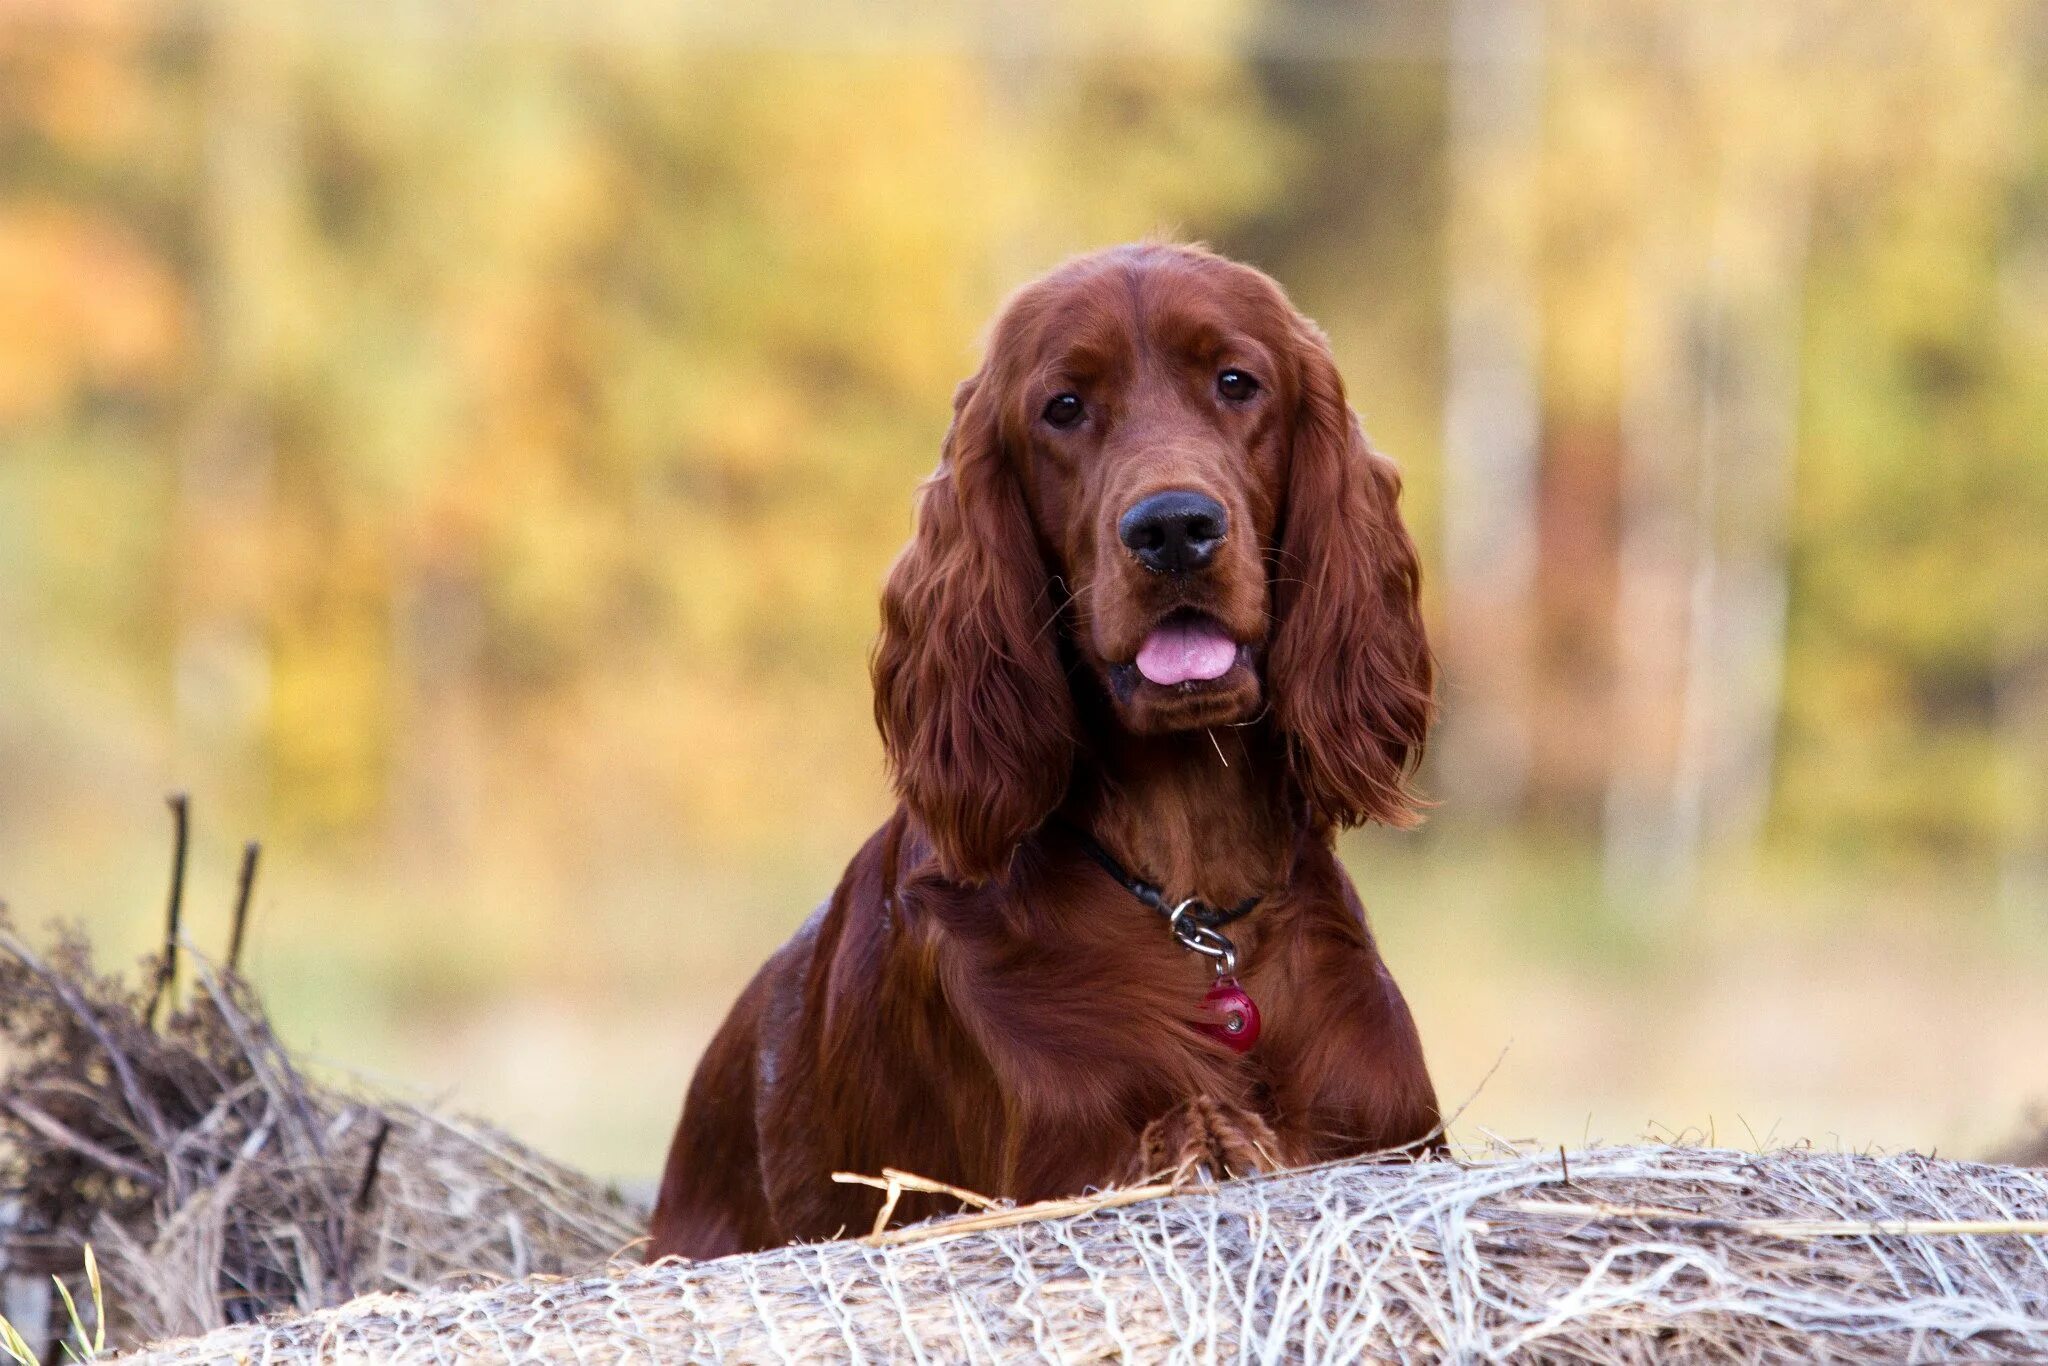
{"type": "Point", "coordinates": [993, 1215]}
{"type": "Point", "coordinates": [1004, 1217]}
{"type": "Point", "coordinates": [167, 965]}
{"type": "Point", "coordinates": [244, 885]}
{"type": "Point", "coordinates": [368, 1186]}
{"type": "Point", "coordinates": [887, 1211]}
{"type": "Point", "coordinates": [894, 1182]}
{"type": "Point", "coordinates": [65, 1137]}
{"type": "Point", "coordinates": [911, 1181]}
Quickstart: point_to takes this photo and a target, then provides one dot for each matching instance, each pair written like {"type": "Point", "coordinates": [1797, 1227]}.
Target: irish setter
{"type": "Point", "coordinates": [1153, 642]}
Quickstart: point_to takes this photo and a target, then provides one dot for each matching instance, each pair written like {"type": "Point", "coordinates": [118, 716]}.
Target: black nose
{"type": "Point", "coordinates": [1175, 531]}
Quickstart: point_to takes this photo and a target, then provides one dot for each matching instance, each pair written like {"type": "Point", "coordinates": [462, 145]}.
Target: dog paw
{"type": "Point", "coordinates": [1205, 1140]}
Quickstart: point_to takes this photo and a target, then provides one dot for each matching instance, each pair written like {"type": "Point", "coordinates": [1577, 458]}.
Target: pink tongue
{"type": "Point", "coordinates": [1181, 650]}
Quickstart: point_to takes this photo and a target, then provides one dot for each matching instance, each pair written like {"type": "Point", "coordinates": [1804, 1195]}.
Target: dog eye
{"type": "Point", "coordinates": [1064, 410]}
{"type": "Point", "coordinates": [1236, 385]}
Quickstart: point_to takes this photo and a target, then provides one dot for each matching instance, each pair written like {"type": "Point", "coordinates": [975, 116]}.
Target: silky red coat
{"type": "Point", "coordinates": [979, 1002]}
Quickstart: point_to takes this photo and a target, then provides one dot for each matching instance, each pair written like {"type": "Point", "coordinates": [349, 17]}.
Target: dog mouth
{"type": "Point", "coordinates": [1186, 652]}
{"type": "Point", "coordinates": [1186, 647]}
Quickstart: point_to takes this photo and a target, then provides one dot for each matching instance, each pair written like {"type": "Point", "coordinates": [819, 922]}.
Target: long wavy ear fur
{"type": "Point", "coordinates": [1350, 667]}
{"type": "Point", "coordinates": [970, 694]}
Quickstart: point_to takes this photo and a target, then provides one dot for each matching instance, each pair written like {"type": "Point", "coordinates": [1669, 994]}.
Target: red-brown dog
{"type": "Point", "coordinates": [1154, 641]}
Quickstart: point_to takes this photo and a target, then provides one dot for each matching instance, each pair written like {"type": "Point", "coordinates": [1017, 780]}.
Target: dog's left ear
{"type": "Point", "coordinates": [1350, 667]}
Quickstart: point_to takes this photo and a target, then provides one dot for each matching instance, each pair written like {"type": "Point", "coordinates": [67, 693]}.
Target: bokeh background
{"type": "Point", "coordinates": [460, 443]}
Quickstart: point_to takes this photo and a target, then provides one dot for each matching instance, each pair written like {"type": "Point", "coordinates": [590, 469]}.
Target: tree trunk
{"type": "Point", "coordinates": [1492, 397]}
{"type": "Point", "coordinates": [1710, 439]}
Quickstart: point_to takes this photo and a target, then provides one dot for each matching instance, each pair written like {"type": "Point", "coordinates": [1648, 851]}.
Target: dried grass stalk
{"type": "Point", "coordinates": [1639, 1254]}
{"type": "Point", "coordinates": [218, 1183]}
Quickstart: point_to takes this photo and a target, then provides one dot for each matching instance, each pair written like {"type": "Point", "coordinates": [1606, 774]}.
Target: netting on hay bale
{"type": "Point", "coordinates": [217, 1183]}
{"type": "Point", "coordinates": [1636, 1254]}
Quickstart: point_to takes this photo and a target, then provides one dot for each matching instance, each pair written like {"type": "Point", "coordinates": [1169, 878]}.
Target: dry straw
{"type": "Point", "coordinates": [218, 1184]}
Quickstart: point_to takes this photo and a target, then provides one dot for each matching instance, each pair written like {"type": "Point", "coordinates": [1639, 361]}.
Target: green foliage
{"type": "Point", "coordinates": [80, 1346]}
{"type": "Point", "coordinates": [435, 439]}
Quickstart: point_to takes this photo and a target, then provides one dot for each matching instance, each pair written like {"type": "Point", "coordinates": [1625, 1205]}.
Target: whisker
{"type": "Point", "coordinates": [1211, 733]}
{"type": "Point", "coordinates": [1051, 621]}
{"type": "Point", "coordinates": [1068, 596]}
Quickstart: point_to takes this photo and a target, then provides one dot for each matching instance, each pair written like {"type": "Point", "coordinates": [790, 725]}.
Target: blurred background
{"type": "Point", "coordinates": [461, 443]}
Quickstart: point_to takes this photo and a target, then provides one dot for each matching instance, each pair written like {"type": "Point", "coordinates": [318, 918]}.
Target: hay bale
{"type": "Point", "coordinates": [217, 1183]}
{"type": "Point", "coordinates": [1632, 1254]}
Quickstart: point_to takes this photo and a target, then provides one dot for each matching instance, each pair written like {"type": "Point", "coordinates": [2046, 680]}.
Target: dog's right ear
{"type": "Point", "coordinates": [970, 695]}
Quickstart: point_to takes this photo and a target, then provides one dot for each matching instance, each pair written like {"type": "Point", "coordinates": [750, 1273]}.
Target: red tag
{"type": "Point", "coordinates": [1236, 1024]}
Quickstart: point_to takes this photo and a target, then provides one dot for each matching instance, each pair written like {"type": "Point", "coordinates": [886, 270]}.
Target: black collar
{"type": "Point", "coordinates": [1194, 910]}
